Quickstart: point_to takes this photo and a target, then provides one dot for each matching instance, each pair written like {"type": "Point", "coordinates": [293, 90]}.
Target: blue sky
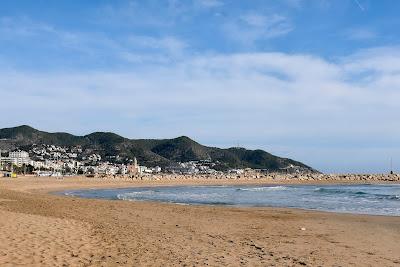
{"type": "Point", "coordinates": [313, 80]}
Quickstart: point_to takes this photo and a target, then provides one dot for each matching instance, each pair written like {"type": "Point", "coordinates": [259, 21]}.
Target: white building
{"type": "Point", "coordinates": [38, 164]}
{"type": "Point", "coordinates": [19, 154]}
{"type": "Point", "coordinates": [236, 171]}
{"type": "Point", "coordinates": [19, 158]}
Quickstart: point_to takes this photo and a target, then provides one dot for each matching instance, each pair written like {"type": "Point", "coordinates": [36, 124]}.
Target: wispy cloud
{"type": "Point", "coordinates": [149, 49]}
{"type": "Point", "coordinates": [126, 49]}
{"type": "Point", "coordinates": [357, 2]}
{"type": "Point", "coordinates": [24, 29]}
{"type": "Point", "coordinates": [361, 34]}
{"type": "Point", "coordinates": [210, 3]}
{"type": "Point", "coordinates": [170, 44]}
{"type": "Point", "coordinates": [137, 13]}
{"type": "Point", "coordinates": [382, 60]}
{"type": "Point", "coordinates": [252, 27]}
{"type": "Point", "coordinates": [294, 3]}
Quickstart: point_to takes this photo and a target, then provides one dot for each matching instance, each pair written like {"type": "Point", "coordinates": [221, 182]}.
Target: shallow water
{"type": "Point", "coordinates": [360, 199]}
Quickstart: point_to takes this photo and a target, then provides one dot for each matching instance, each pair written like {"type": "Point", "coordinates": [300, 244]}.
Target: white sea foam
{"type": "Point", "coordinates": [265, 188]}
{"type": "Point", "coordinates": [133, 195]}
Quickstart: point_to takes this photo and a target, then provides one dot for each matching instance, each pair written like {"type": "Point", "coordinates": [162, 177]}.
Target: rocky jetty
{"type": "Point", "coordinates": [272, 177]}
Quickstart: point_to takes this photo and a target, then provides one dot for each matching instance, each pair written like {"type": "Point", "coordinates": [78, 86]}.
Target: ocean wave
{"type": "Point", "coordinates": [388, 197]}
{"type": "Point", "coordinates": [331, 190]}
{"type": "Point", "coordinates": [357, 194]}
{"type": "Point", "coordinates": [339, 191]}
{"type": "Point", "coordinates": [134, 195]}
{"type": "Point", "coordinates": [264, 188]}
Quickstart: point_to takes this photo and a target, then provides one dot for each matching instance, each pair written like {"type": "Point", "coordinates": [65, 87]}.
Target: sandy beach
{"type": "Point", "coordinates": [38, 228]}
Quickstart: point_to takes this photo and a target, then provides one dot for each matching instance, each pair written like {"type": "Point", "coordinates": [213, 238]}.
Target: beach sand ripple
{"type": "Point", "coordinates": [33, 240]}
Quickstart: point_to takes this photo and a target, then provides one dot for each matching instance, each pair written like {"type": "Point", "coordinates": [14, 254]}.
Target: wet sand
{"type": "Point", "coordinates": [42, 229]}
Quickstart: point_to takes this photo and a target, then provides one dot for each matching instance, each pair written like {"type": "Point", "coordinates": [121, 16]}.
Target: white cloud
{"type": "Point", "coordinates": [259, 20]}
{"type": "Point", "coordinates": [382, 60]}
{"type": "Point", "coordinates": [252, 27]}
{"type": "Point", "coordinates": [218, 82]}
{"type": "Point", "coordinates": [169, 43]}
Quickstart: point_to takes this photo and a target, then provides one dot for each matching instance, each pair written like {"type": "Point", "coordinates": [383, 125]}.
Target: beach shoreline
{"type": "Point", "coordinates": [90, 232]}
{"type": "Point", "coordinates": [53, 184]}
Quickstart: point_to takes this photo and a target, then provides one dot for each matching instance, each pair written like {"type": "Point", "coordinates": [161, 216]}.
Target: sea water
{"type": "Point", "coordinates": [360, 199]}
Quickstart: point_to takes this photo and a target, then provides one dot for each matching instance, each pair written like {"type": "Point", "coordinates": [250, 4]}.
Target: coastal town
{"type": "Point", "coordinates": [58, 161]}
{"type": "Point", "coordinates": [52, 160]}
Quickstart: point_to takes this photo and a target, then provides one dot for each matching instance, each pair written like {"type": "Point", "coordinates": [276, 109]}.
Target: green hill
{"type": "Point", "coordinates": [149, 152]}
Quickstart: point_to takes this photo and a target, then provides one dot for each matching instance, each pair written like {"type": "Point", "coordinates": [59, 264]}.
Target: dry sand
{"type": "Point", "coordinates": [40, 229]}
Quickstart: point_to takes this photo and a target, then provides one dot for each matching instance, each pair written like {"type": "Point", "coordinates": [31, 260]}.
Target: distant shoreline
{"type": "Point", "coordinates": [177, 180]}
